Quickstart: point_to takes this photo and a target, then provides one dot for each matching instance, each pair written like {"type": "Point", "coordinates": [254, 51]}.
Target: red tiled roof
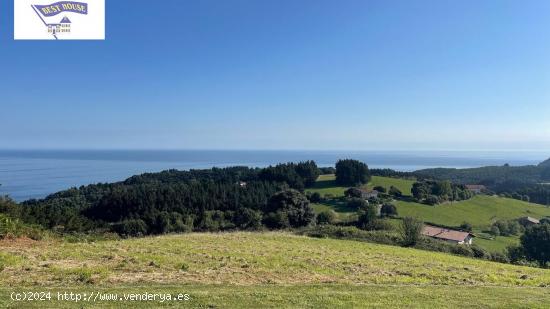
{"type": "Point", "coordinates": [446, 234]}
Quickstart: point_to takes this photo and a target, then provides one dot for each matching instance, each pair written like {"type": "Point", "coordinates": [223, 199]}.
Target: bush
{"type": "Point", "coordinates": [133, 228]}
{"type": "Point", "coordinates": [432, 200]}
{"type": "Point", "coordinates": [248, 219]}
{"type": "Point", "coordinates": [357, 203]}
{"type": "Point", "coordinates": [515, 253]}
{"type": "Point", "coordinates": [315, 197]}
{"type": "Point", "coordinates": [380, 189]}
{"type": "Point", "coordinates": [395, 192]}
{"type": "Point", "coordinates": [352, 233]}
{"type": "Point", "coordinates": [366, 216]}
{"type": "Point", "coordinates": [379, 225]}
{"type": "Point", "coordinates": [353, 193]}
{"type": "Point", "coordinates": [293, 206]}
{"type": "Point", "coordinates": [535, 243]}
{"type": "Point", "coordinates": [388, 210]}
{"type": "Point", "coordinates": [480, 252]}
{"type": "Point", "coordinates": [411, 230]}
{"type": "Point", "coordinates": [326, 217]}
{"type": "Point", "coordinates": [465, 226]}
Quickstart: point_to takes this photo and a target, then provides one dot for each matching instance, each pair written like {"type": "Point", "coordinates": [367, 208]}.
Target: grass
{"type": "Point", "coordinates": [480, 211]}
{"type": "Point", "coordinates": [310, 296]}
{"type": "Point", "coordinates": [326, 184]}
{"type": "Point", "coordinates": [269, 270]}
{"type": "Point", "coordinates": [404, 185]}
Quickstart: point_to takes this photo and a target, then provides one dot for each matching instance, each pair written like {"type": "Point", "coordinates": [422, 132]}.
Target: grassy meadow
{"type": "Point", "coordinates": [266, 270]}
{"type": "Point", "coordinates": [480, 211]}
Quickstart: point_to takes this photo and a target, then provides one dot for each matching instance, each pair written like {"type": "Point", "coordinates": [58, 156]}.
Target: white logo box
{"type": "Point", "coordinates": [59, 20]}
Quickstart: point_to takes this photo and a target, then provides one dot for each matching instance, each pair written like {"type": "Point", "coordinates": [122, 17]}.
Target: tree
{"type": "Point", "coordinates": [351, 173]}
{"type": "Point", "coordinates": [292, 204]}
{"type": "Point", "coordinates": [366, 216]}
{"type": "Point", "coordinates": [395, 192]}
{"type": "Point", "coordinates": [388, 210]}
{"type": "Point", "coordinates": [315, 197]}
{"type": "Point", "coordinates": [536, 243]}
{"type": "Point", "coordinates": [380, 189]}
{"type": "Point", "coordinates": [353, 192]}
{"type": "Point", "coordinates": [465, 226]}
{"type": "Point", "coordinates": [326, 217]}
{"type": "Point", "coordinates": [357, 203]}
{"type": "Point", "coordinates": [411, 230]}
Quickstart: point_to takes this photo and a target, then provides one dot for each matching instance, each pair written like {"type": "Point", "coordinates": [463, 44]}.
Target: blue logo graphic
{"type": "Point", "coordinates": [50, 10]}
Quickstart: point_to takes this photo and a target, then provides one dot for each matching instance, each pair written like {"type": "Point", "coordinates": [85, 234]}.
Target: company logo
{"type": "Point", "coordinates": [63, 20]}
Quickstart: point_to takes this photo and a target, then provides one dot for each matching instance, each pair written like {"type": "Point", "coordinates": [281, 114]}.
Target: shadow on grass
{"type": "Point", "coordinates": [324, 184]}
{"type": "Point", "coordinates": [339, 205]}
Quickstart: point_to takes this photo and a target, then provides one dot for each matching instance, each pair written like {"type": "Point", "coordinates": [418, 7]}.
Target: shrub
{"type": "Point", "coordinates": [293, 205]}
{"type": "Point", "coordinates": [515, 253]}
{"type": "Point", "coordinates": [326, 217]}
{"type": "Point", "coordinates": [366, 216]}
{"type": "Point", "coordinates": [479, 252]}
{"type": "Point", "coordinates": [248, 219]}
{"type": "Point", "coordinates": [388, 210]}
{"type": "Point", "coordinates": [395, 192]}
{"type": "Point", "coordinates": [353, 193]}
{"type": "Point", "coordinates": [465, 226]}
{"type": "Point", "coordinates": [411, 230]}
{"type": "Point", "coordinates": [352, 233]}
{"type": "Point", "coordinates": [432, 200]}
{"type": "Point", "coordinates": [379, 225]}
{"type": "Point", "coordinates": [357, 203]}
{"type": "Point", "coordinates": [135, 227]}
{"type": "Point", "coordinates": [315, 197]}
{"type": "Point", "coordinates": [535, 243]}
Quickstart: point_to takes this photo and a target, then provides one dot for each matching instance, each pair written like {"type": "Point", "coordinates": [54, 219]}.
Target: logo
{"type": "Point", "coordinates": [63, 20]}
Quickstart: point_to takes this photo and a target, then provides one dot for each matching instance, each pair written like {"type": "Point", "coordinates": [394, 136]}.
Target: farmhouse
{"type": "Point", "coordinates": [528, 221]}
{"type": "Point", "coordinates": [477, 189]}
{"type": "Point", "coordinates": [367, 194]}
{"type": "Point", "coordinates": [456, 237]}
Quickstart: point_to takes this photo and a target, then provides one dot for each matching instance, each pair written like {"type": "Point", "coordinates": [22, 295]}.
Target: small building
{"type": "Point", "coordinates": [452, 236]}
{"type": "Point", "coordinates": [528, 221]}
{"type": "Point", "coordinates": [476, 189]}
{"type": "Point", "coordinates": [367, 194]}
{"type": "Point", "coordinates": [241, 184]}
{"type": "Point", "coordinates": [64, 26]}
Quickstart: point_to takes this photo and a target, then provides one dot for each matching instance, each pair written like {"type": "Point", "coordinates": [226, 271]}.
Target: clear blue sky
{"type": "Point", "coordinates": [285, 74]}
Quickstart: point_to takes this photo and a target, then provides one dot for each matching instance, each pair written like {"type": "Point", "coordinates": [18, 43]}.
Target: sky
{"type": "Point", "coordinates": [285, 74]}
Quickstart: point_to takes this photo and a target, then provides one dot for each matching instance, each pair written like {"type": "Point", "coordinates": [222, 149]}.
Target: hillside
{"type": "Point", "coordinates": [278, 270]}
{"type": "Point", "coordinates": [480, 211]}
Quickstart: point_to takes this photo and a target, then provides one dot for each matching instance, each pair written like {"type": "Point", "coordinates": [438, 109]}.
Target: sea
{"type": "Point", "coordinates": [34, 174]}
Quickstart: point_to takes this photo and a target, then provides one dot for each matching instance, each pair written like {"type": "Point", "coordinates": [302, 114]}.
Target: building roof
{"type": "Point", "coordinates": [475, 187]}
{"type": "Point", "coordinates": [445, 234]}
{"type": "Point", "coordinates": [369, 191]}
{"type": "Point", "coordinates": [65, 20]}
{"type": "Point", "coordinates": [531, 219]}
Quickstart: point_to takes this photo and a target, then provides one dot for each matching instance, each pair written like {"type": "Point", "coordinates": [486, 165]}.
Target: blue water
{"type": "Point", "coordinates": [35, 174]}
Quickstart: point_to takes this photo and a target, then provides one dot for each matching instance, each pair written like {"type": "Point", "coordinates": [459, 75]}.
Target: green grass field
{"type": "Point", "coordinates": [326, 185]}
{"type": "Point", "coordinates": [280, 270]}
{"type": "Point", "coordinates": [480, 211]}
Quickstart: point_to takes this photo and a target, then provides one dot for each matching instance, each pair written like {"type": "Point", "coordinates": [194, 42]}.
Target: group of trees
{"type": "Point", "coordinates": [181, 201]}
{"type": "Point", "coordinates": [351, 173]}
{"type": "Point", "coordinates": [436, 192]}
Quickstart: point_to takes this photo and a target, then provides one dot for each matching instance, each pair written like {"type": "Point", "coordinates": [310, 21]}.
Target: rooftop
{"type": "Point", "coordinates": [443, 233]}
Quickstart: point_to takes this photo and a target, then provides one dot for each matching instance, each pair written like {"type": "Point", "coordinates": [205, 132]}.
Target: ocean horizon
{"type": "Point", "coordinates": [28, 174]}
